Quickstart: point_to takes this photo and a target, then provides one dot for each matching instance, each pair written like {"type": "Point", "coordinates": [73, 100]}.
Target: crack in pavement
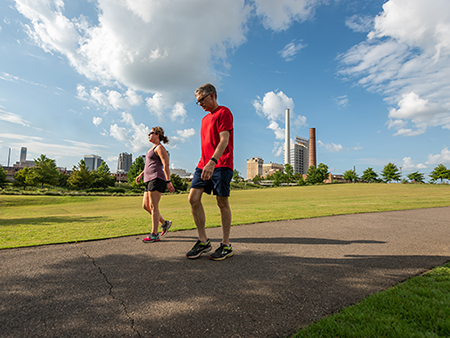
{"type": "Point", "coordinates": [122, 302]}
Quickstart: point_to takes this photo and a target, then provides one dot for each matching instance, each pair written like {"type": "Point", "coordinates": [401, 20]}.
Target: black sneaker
{"type": "Point", "coordinates": [222, 252]}
{"type": "Point", "coordinates": [198, 249]}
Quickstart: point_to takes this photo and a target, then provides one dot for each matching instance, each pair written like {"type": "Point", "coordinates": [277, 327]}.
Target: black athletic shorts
{"type": "Point", "coordinates": [156, 185]}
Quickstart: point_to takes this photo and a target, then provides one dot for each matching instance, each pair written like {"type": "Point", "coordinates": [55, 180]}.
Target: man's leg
{"type": "Point", "coordinates": [225, 217]}
{"type": "Point", "coordinates": [198, 213]}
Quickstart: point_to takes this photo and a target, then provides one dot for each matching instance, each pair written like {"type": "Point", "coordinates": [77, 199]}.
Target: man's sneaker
{"type": "Point", "coordinates": [198, 249]}
{"type": "Point", "coordinates": [222, 252]}
{"type": "Point", "coordinates": [151, 238]}
{"type": "Point", "coordinates": [165, 227]}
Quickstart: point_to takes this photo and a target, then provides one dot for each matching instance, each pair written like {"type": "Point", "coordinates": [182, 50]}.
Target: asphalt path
{"type": "Point", "coordinates": [283, 276]}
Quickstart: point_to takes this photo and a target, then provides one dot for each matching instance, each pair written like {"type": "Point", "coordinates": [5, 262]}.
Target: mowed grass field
{"type": "Point", "coordinates": [38, 220]}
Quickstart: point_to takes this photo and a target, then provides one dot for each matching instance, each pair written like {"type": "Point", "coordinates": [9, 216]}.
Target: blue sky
{"type": "Point", "coordinates": [92, 77]}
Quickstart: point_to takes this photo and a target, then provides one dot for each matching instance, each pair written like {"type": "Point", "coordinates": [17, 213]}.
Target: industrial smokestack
{"type": "Point", "coordinates": [312, 147]}
{"type": "Point", "coordinates": [287, 145]}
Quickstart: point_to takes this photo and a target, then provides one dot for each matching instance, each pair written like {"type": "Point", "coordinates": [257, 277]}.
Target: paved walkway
{"type": "Point", "coordinates": [284, 275]}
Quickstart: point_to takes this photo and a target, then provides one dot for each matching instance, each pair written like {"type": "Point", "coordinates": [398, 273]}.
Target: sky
{"type": "Point", "coordinates": [94, 76]}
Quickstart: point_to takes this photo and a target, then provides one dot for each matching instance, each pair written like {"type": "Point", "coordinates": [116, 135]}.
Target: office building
{"type": "Point", "coordinates": [300, 155]}
{"type": "Point", "coordinates": [23, 155]}
{"type": "Point", "coordinates": [124, 163]}
{"type": "Point", "coordinates": [92, 162]}
{"type": "Point", "coordinates": [254, 167]}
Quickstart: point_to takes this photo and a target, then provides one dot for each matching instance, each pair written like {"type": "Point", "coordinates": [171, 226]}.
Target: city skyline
{"type": "Point", "coordinates": [374, 82]}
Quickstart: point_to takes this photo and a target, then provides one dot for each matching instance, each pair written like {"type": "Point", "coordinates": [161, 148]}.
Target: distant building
{"type": "Point", "coordinates": [124, 163]}
{"type": "Point", "coordinates": [23, 154]}
{"type": "Point", "coordinates": [270, 168]}
{"type": "Point", "coordinates": [92, 162]}
{"type": "Point", "coordinates": [182, 173]}
{"type": "Point", "coordinates": [254, 167]}
{"type": "Point", "coordinates": [300, 155]}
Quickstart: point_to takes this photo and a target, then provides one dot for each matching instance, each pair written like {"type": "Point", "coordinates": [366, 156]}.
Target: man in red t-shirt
{"type": "Point", "coordinates": [214, 172]}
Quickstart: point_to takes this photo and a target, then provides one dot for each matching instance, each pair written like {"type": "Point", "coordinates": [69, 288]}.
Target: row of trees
{"type": "Point", "coordinates": [46, 172]}
{"type": "Point", "coordinates": [313, 176]}
{"type": "Point", "coordinates": [391, 173]}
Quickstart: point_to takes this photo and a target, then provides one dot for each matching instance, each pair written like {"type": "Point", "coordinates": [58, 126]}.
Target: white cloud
{"type": "Point", "coordinates": [13, 118]}
{"type": "Point", "coordinates": [342, 101]}
{"type": "Point", "coordinates": [119, 133]}
{"type": "Point", "coordinates": [290, 51]}
{"type": "Point", "coordinates": [97, 120]}
{"type": "Point", "coordinates": [332, 148]}
{"type": "Point", "coordinates": [408, 165]}
{"type": "Point", "coordinates": [360, 24]}
{"type": "Point", "coordinates": [442, 158]}
{"type": "Point", "coordinates": [408, 61]}
{"type": "Point", "coordinates": [186, 133]}
{"type": "Point", "coordinates": [279, 15]}
{"type": "Point", "coordinates": [178, 113]}
{"type": "Point", "coordinates": [273, 105]}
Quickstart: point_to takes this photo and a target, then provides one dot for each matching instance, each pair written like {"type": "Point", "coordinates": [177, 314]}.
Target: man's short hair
{"type": "Point", "coordinates": [207, 89]}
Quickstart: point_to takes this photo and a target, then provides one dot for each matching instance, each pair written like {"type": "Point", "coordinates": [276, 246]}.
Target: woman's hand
{"type": "Point", "coordinates": [170, 187]}
{"type": "Point", "coordinates": [139, 177]}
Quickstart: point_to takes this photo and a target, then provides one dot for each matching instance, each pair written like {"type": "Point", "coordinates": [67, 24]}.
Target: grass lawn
{"type": "Point", "coordinates": [37, 220]}
{"type": "Point", "coordinates": [419, 307]}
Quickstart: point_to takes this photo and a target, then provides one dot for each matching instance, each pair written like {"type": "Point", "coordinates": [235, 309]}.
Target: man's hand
{"type": "Point", "coordinates": [208, 170]}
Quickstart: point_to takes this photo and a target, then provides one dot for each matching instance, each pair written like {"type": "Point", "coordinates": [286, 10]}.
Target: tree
{"type": "Point", "coordinates": [416, 177]}
{"type": "Point", "coordinates": [288, 172]}
{"type": "Point", "coordinates": [440, 172]}
{"type": "Point", "coordinates": [317, 175]}
{"type": "Point", "coordinates": [256, 179]}
{"type": "Point", "coordinates": [101, 178]}
{"type": "Point", "coordinates": [20, 177]}
{"type": "Point", "coordinates": [350, 175]}
{"type": "Point", "coordinates": [44, 171]}
{"type": "Point", "coordinates": [236, 176]}
{"type": "Point", "coordinates": [81, 177]}
{"type": "Point", "coordinates": [369, 175]}
{"type": "Point", "coordinates": [391, 172]}
{"type": "Point", "coordinates": [178, 183]}
{"type": "Point", "coordinates": [278, 178]}
{"type": "Point", "coordinates": [3, 179]}
{"type": "Point", "coordinates": [136, 168]}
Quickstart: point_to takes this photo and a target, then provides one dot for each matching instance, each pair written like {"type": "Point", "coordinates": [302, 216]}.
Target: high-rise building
{"type": "Point", "coordinates": [23, 155]}
{"type": "Point", "coordinates": [124, 163]}
{"type": "Point", "coordinates": [254, 167]}
{"type": "Point", "coordinates": [300, 155]}
{"type": "Point", "coordinates": [92, 162]}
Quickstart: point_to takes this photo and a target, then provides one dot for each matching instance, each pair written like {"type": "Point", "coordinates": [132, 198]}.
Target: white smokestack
{"type": "Point", "coordinates": [287, 145]}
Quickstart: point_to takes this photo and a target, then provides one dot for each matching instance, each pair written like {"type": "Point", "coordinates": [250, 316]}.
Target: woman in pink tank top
{"type": "Point", "coordinates": [156, 175]}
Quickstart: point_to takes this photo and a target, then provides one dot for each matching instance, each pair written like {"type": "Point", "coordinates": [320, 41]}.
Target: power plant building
{"type": "Point", "coordinates": [254, 167]}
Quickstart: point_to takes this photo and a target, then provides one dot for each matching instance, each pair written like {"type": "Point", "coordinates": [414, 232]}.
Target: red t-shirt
{"type": "Point", "coordinates": [212, 125]}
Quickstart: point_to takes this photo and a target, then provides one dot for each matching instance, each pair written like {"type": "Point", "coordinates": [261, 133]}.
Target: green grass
{"type": "Point", "coordinates": [37, 220]}
{"type": "Point", "coordinates": [420, 307]}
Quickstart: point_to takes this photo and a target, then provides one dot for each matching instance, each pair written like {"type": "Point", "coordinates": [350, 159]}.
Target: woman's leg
{"type": "Point", "coordinates": [146, 205]}
{"type": "Point", "coordinates": [155, 197]}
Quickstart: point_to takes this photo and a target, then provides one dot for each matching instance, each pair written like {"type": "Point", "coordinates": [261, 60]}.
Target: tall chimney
{"type": "Point", "coordinates": [287, 145]}
{"type": "Point", "coordinates": [312, 147]}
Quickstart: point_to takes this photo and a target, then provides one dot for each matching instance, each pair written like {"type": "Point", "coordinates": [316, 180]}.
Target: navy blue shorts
{"type": "Point", "coordinates": [219, 183]}
{"type": "Point", "coordinates": [156, 185]}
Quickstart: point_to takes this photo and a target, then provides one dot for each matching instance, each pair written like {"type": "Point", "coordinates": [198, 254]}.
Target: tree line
{"type": "Point", "coordinates": [45, 172]}
{"type": "Point", "coordinates": [391, 173]}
